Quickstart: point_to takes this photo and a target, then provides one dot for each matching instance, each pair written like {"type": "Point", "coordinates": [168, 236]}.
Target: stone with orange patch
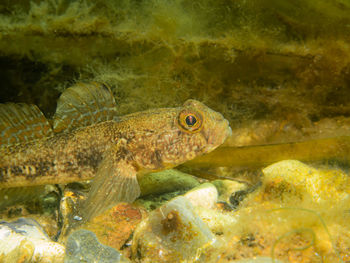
{"type": "Point", "coordinates": [115, 226]}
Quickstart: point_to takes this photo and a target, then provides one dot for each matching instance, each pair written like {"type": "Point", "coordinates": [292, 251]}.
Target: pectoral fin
{"type": "Point", "coordinates": [115, 182]}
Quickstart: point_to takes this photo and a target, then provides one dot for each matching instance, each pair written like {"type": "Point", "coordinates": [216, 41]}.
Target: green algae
{"type": "Point", "coordinates": [247, 59]}
{"type": "Point", "coordinates": [304, 230]}
{"type": "Point", "coordinates": [152, 202]}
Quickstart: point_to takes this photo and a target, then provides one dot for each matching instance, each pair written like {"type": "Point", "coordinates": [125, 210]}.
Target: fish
{"type": "Point", "coordinates": [87, 140]}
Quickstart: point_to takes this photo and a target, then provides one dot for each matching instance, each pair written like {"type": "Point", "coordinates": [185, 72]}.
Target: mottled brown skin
{"type": "Point", "coordinates": [63, 158]}
{"type": "Point", "coordinates": [149, 141]}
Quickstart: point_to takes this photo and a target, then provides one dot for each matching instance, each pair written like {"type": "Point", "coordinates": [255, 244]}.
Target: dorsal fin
{"type": "Point", "coordinates": [22, 122]}
{"type": "Point", "coordinates": [82, 105]}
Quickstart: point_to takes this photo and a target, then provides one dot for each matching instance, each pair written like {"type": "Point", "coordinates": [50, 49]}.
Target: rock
{"type": "Point", "coordinates": [204, 199]}
{"type": "Point", "coordinates": [24, 240]}
{"type": "Point", "coordinates": [41, 198]}
{"type": "Point", "coordinates": [301, 180]}
{"type": "Point", "coordinates": [227, 187]}
{"type": "Point", "coordinates": [152, 202]}
{"type": "Point", "coordinates": [115, 226]}
{"type": "Point", "coordinates": [296, 205]}
{"type": "Point", "coordinates": [204, 195]}
{"type": "Point", "coordinates": [217, 221]}
{"type": "Point", "coordinates": [166, 181]}
{"type": "Point", "coordinates": [158, 188]}
{"type": "Point", "coordinates": [40, 203]}
{"type": "Point", "coordinates": [172, 233]}
{"type": "Point", "coordinates": [83, 246]}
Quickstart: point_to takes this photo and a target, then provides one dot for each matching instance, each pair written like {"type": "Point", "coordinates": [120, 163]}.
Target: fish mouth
{"type": "Point", "coordinates": [222, 132]}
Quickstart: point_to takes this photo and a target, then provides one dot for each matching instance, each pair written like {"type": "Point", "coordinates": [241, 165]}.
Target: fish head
{"type": "Point", "coordinates": [199, 130]}
{"type": "Point", "coordinates": [172, 136]}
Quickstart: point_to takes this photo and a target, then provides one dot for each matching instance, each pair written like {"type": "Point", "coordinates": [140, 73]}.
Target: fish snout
{"type": "Point", "coordinates": [218, 133]}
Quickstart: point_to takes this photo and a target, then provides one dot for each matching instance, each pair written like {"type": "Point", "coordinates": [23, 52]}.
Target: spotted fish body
{"type": "Point", "coordinates": [89, 141]}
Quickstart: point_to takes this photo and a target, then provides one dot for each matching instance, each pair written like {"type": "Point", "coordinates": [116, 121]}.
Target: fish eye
{"type": "Point", "coordinates": [190, 121]}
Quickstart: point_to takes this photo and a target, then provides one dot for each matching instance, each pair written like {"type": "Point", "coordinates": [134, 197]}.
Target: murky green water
{"type": "Point", "coordinates": [277, 70]}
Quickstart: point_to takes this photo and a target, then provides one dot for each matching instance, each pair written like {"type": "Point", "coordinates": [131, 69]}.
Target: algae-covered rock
{"type": "Point", "coordinates": [172, 233]}
{"type": "Point", "coordinates": [227, 187]}
{"type": "Point", "coordinates": [38, 202]}
{"type": "Point", "coordinates": [115, 226]}
{"type": "Point", "coordinates": [160, 187]}
{"type": "Point", "coordinates": [219, 222]}
{"type": "Point", "coordinates": [42, 198]}
{"type": "Point", "coordinates": [304, 181]}
{"type": "Point", "coordinates": [256, 260]}
{"type": "Point", "coordinates": [24, 240]}
{"type": "Point", "coordinates": [299, 214]}
{"type": "Point", "coordinates": [83, 246]}
{"type": "Point", "coordinates": [166, 181]}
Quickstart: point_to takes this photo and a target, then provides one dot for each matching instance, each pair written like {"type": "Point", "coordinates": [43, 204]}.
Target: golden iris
{"type": "Point", "coordinates": [190, 120]}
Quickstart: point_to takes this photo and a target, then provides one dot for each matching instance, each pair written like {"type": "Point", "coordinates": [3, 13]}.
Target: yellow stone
{"type": "Point", "coordinates": [321, 185]}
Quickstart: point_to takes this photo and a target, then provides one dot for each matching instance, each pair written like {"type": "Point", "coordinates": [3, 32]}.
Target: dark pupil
{"type": "Point", "coordinates": [190, 120]}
